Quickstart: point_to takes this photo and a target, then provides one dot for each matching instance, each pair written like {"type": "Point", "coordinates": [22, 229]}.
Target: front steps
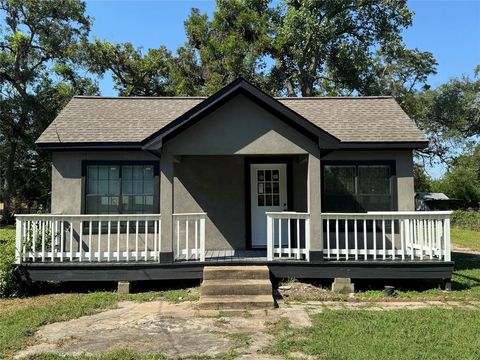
{"type": "Point", "coordinates": [236, 288]}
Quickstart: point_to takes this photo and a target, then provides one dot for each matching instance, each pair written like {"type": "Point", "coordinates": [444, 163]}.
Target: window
{"type": "Point", "coordinates": [357, 187]}
{"type": "Point", "coordinates": [268, 187]}
{"type": "Point", "coordinates": [120, 188]}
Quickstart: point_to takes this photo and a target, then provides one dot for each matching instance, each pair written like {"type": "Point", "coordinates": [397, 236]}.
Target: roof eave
{"type": "Point", "coordinates": [414, 145]}
{"type": "Point", "coordinates": [117, 145]}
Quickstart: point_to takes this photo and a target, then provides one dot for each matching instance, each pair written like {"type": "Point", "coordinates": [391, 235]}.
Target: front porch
{"type": "Point", "coordinates": [122, 239]}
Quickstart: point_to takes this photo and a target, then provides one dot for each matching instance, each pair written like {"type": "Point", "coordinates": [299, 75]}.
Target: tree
{"type": "Point", "coordinates": [422, 181]}
{"type": "Point", "coordinates": [134, 74]}
{"type": "Point", "coordinates": [38, 73]}
{"type": "Point", "coordinates": [450, 115]}
{"type": "Point", "coordinates": [304, 47]}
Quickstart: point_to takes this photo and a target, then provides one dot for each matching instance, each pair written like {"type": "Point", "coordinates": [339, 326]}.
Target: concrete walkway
{"type": "Point", "coordinates": [179, 331]}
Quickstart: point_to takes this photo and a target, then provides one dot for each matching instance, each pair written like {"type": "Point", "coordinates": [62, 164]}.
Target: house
{"type": "Point", "coordinates": [159, 187]}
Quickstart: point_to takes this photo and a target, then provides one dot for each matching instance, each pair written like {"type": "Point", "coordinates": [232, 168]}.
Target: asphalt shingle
{"type": "Point", "coordinates": [122, 119]}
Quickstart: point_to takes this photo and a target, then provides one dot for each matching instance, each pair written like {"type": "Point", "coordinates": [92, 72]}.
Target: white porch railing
{"type": "Point", "coordinates": [402, 235]}
{"type": "Point", "coordinates": [87, 238]}
{"type": "Point", "coordinates": [189, 236]}
{"type": "Point", "coordinates": [288, 235]}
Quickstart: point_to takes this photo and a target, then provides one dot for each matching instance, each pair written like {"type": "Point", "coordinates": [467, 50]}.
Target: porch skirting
{"type": "Point", "coordinates": [380, 269]}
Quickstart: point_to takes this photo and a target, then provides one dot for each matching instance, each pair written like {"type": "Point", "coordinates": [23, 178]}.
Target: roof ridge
{"type": "Point", "coordinates": [140, 97]}
{"type": "Point", "coordinates": [335, 97]}
{"type": "Point", "coordinates": [206, 97]}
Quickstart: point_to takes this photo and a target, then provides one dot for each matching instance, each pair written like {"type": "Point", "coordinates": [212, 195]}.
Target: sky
{"type": "Point", "coordinates": [448, 29]}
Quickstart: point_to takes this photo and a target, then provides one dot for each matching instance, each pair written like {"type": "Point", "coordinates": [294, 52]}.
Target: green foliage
{"type": "Point", "coordinates": [9, 284]}
{"type": "Point", "coordinates": [39, 43]}
{"type": "Point", "coordinates": [468, 220]}
{"type": "Point", "coordinates": [134, 74]}
{"type": "Point", "coordinates": [449, 114]}
{"type": "Point", "coordinates": [422, 182]}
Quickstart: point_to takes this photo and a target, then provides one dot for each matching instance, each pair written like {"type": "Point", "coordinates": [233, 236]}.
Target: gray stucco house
{"type": "Point", "coordinates": [157, 187]}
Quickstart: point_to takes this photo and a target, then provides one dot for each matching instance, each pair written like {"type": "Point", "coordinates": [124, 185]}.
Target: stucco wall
{"type": "Point", "coordinates": [67, 192]}
{"type": "Point", "coordinates": [240, 127]}
{"type": "Point", "coordinates": [404, 170]}
{"type": "Point", "coordinates": [216, 185]}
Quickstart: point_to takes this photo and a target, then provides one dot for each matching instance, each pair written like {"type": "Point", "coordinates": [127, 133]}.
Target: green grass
{"type": "Point", "coordinates": [21, 317]}
{"type": "Point", "coordinates": [465, 238]}
{"type": "Point", "coordinates": [397, 334]}
{"type": "Point", "coordinates": [128, 355]}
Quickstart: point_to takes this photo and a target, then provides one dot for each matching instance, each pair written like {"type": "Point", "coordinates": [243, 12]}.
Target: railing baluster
{"type": "Point", "coordinates": [346, 239]}
{"type": "Point", "coordinates": [80, 242]}
{"type": "Point", "coordinates": [155, 239]}
{"type": "Point", "coordinates": [127, 240]}
{"type": "Point", "coordinates": [146, 240]}
{"type": "Point", "coordinates": [118, 240]}
{"type": "Point", "coordinates": [52, 233]}
{"type": "Point", "coordinates": [43, 240]}
{"type": "Point", "coordinates": [328, 238]}
{"type": "Point", "coordinates": [71, 240]}
{"type": "Point", "coordinates": [136, 240]}
{"type": "Point", "coordinates": [62, 239]}
{"type": "Point", "coordinates": [178, 237]}
{"type": "Point", "coordinates": [355, 238]}
{"type": "Point", "coordinates": [34, 240]}
{"type": "Point", "coordinates": [187, 255]}
{"type": "Point", "coordinates": [109, 241]}
{"type": "Point", "coordinates": [337, 241]}
{"type": "Point", "coordinates": [159, 237]}
{"type": "Point", "coordinates": [402, 238]}
{"type": "Point", "coordinates": [365, 247]}
{"type": "Point", "coordinates": [280, 236]}
{"type": "Point", "coordinates": [374, 230]}
{"type": "Point", "coordinates": [289, 237]}
{"type": "Point", "coordinates": [384, 240]}
{"type": "Point", "coordinates": [298, 238]}
{"type": "Point", "coordinates": [18, 241]}
{"type": "Point", "coordinates": [90, 250]}
{"type": "Point", "coordinates": [392, 224]}
{"type": "Point", "coordinates": [269, 238]}
{"type": "Point", "coordinates": [447, 239]}
{"type": "Point", "coordinates": [99, 240]}
{"type": "Point", "coordinates": [196, 239]}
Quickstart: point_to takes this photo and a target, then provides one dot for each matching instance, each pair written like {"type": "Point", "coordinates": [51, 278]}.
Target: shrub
{"type": "Point", "coordinates": [469, 220]}
{"type": "Point", "coordinates": [9, 284]}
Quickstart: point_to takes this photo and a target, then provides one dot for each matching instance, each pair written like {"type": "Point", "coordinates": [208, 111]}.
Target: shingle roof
{"type": "Point", "coordinates": [132, 119]}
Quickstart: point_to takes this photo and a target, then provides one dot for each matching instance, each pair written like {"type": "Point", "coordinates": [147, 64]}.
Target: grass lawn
{"type": "Point", "coordinates": [21, 317]}
{"type": "Point", "coordinates": [397, 334]}
{"type": "Point", "coordinates": [465, 239]}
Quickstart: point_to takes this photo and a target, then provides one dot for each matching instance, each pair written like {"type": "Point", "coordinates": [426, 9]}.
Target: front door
{"type": "Point", "coordinates": [268, 192]}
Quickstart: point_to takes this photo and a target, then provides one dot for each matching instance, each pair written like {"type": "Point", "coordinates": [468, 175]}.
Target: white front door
{"type": "Point", "coordinates": [268, 192]}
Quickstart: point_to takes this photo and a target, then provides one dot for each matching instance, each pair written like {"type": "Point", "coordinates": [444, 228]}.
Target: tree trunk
{"type": "Point", "coordinates": [9, 182]}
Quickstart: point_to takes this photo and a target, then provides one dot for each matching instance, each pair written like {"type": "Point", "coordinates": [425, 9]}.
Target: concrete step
{"type": "Point", "coordinates": [236, 287]}
{"type": "Point", "coordinates": [244, 302]}
{"type": "Point", "coordinates": [235, 272]}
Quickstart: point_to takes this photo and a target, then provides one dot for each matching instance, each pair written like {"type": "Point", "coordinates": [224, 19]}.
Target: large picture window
{"type": "Point", "coordinates": [120, 188]}
{"type": "Point", "coordinates": [357, 187]}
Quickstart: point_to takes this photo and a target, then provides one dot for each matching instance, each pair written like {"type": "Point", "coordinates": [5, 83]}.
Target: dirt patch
{"type": "Point", "coordinates": [13, 304]}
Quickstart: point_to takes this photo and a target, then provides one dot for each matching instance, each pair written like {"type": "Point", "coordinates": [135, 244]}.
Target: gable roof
{"type": "Point", "coordinates": [106, 122]}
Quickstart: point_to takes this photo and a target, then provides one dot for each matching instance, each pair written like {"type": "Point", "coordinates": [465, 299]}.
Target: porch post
{"type": "Point", "coordinates": [166, 207]}
{"type": "Point", "coordinates": [314, 207]}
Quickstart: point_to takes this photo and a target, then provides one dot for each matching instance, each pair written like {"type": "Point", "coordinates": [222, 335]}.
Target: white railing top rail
{"type": "Point", "coordinates": [189, 214]}
{"type": "Point", "coordinates": [287, 214]}
{"type": "Point", "coordinates": [389, 213]}
{"type": "Point", "coordinates": [87, 216]}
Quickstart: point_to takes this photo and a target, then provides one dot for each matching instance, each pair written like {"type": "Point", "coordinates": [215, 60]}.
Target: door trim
{"type": "Point", "coordinates": [248, 211]}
